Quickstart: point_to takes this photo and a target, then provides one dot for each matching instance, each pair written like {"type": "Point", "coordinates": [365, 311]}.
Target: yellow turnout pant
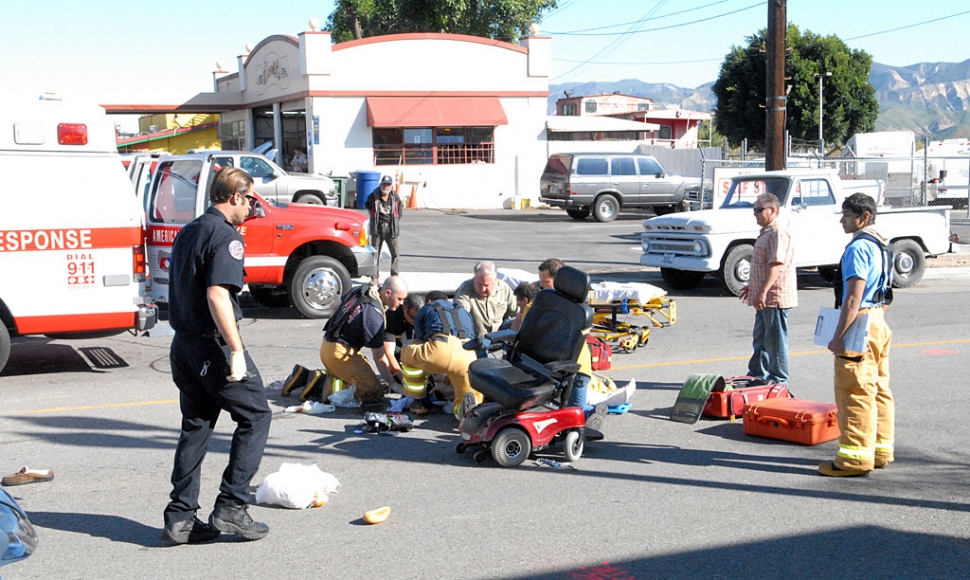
{"type": "Point", "coordinates": [348, 364]}
{"type": "Point", "coordinates": [442, 353]}
{"type": "Point", "coordinates": [865, 403]}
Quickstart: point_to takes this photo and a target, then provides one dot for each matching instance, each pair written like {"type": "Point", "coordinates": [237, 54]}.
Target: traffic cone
{"type": "Point", "coordinates": [413, 200]}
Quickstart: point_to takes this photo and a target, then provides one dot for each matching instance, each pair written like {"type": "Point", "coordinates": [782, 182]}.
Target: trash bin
{"type": "Point", "coordinates": [367, 181]}
{"type": "Point", "coordinates": [340, 187]}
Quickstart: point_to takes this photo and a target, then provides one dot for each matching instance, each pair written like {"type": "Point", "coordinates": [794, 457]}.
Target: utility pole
{"type": "Point", "coordinates": [775, 99]}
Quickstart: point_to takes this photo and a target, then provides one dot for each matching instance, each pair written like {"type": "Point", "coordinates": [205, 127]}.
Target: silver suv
{"type": "Point", "coordinates": [605, 183]}
{"type": "Point", "coordinates": [275, 184]}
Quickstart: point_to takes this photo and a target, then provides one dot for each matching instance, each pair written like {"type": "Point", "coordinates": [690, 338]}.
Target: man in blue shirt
{"type": "Point", "coordinates": [865, 403]}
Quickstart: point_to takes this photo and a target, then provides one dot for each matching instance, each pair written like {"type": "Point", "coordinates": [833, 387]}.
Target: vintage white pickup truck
{"type": "Point", "coordinates": [688, 246]}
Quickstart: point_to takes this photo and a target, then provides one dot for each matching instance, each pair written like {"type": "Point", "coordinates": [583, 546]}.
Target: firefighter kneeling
{"type": "Point", "coordinates": [439, 330]}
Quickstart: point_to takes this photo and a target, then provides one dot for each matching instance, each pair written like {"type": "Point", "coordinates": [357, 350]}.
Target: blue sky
{"type": "Point", "coordinates": [113, 51]}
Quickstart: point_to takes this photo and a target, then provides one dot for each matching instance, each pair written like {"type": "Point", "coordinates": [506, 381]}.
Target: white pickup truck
{"type": "Point", "coordinates": [688, 246]}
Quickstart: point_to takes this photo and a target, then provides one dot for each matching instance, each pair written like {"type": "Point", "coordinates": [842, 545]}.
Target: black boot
{"type": "Point", "coordinates": [235, 519]}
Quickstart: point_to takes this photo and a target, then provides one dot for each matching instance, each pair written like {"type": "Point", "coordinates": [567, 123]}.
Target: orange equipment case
{"type": "Point", "coordinates": [729, 399]}
{"type": "Point", "coordinates": [795, 420]}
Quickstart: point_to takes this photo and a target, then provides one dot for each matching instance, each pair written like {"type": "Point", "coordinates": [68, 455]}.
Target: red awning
{"type": "Point", "coordinates": [435, 112]}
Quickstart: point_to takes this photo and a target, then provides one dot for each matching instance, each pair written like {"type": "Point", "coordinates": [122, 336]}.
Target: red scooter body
{"type": "Point", "coordinates": [513, 435]}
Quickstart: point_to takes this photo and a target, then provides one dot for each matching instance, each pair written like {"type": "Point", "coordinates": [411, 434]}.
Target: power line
{"type": "Point", "coordinates": [661, 27]}
{"type": "Point", "coordinates": [635, 22]}
{"type": "Point", "coordinates": [908, 26]}
{"type": "Point", "coordinates": [640, 63]}
{"type": "Point", "coordinates": [616, 42]}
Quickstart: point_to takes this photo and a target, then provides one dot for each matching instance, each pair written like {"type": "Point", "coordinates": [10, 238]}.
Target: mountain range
{"type": "Point", "coordinates": [930, 99]}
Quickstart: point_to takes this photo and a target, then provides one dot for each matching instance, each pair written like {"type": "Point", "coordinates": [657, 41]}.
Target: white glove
{"type": "Point", "coordinates": [237, 365]}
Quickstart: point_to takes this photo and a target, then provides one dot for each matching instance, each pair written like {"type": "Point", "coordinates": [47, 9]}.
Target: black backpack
{"type": "Point", "coordinates": [349, 308]}
{"type": "Point", "coordinates": [884, 294]}
{"type": "Point", "coordinates": [455, 320]}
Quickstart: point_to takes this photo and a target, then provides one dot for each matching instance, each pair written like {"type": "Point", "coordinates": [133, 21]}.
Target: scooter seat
{"type": "Point", "coordinates": [507, 385]}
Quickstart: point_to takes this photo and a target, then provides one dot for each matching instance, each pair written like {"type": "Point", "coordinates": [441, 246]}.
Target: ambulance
{"type": "Point", "coordinates": [72, 251]}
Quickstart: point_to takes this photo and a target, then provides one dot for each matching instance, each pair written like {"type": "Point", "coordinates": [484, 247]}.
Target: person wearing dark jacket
{"type": "Point", "coordinates": [384, 207]}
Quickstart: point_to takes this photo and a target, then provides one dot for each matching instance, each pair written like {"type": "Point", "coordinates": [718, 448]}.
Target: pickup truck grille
{"type": "Point", "coordinates": [671, 246]}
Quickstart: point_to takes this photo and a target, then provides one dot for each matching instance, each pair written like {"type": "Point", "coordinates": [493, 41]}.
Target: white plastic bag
{"type": "Point", "coordinates": [297, 486]}
{"type": "Point", "coordinates": [345, 398]}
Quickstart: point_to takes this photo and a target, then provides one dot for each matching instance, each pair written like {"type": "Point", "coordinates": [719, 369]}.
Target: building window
{"type": "Point", "coordinates": [665, 132]}
{"type": "Point", "coordinates": [569, 110]}
{"type": "Point", "coordinates": [643, 106]}
{"type": "Point", "coordinates": [590, 106]}
{"type": "Point", "coordinates": [433, 145]}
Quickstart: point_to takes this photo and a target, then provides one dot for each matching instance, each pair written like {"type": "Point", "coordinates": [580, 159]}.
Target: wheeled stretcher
{"type": "Point", "coordinates": [617, 306]}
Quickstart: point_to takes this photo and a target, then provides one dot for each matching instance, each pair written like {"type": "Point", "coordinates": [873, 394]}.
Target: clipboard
{"type": "Point", "coordinates": [855, 338]}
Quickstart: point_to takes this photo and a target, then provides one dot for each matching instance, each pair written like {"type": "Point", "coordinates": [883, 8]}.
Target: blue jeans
{"type": "Point", "coordinates": [577, 398]}
{"type": "Point", "coordinates": [770, 342]}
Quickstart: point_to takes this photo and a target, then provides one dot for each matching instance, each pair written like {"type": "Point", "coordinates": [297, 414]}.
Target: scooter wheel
{"type": "Point", "coordinates": [479, 456]}
{"type": "Point", "coordinates": [461, 448]}
{"type": "Point", "coordinates": [573, 446]}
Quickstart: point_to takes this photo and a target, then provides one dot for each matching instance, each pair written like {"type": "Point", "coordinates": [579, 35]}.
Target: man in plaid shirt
{"type": "Point", "coordinates": [773, 292]}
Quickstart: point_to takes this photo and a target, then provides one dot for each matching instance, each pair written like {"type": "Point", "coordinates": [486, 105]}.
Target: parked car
{"type": "Point", "coordinates": [602, 184]}
{"type": "Point", "coordinates": [276, 185]}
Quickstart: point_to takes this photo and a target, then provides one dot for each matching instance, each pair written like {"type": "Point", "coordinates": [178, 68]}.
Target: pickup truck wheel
{"type": "Point", "coordinates": [310, 199]}
{"type": "Point", "coordinates": [737, 268]}
{"type": "Point", "coordinates": [4, 345]}
{"type": "Point", "coordinates": [908, 263]}
{"type": "Point", "coordinates": [605, 208]}
{"type": "Point", "coordinates": [663, 209]}
{"type": "Point", "coordinates": [268, 297]}
{"type": "Point", "coordinates": [317, 285]}
{"type": "Point", "coordinates": [681, 279]}
{"type": "Point", "coordinates": [578, 214]}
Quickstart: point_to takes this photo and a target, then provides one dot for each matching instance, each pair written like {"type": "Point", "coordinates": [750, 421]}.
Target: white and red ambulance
{"type": "Point", "coordinates": [72, 253]}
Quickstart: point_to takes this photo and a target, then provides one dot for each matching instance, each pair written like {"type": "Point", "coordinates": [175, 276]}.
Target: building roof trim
{"type": "Point", "coordinates": [283, 37]}
{"type": "Point", "coordinates": [430, 36]}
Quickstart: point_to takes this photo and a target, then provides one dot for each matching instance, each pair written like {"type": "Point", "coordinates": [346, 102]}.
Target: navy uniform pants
{"type": "Point", "coordinates": [200, 370]}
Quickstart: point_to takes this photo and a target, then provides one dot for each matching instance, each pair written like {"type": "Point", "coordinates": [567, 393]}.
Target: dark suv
{"type": "Point", "coordinates": [605, 183]}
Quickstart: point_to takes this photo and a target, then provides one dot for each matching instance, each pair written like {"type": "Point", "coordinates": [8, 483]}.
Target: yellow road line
{"type": "Point", "coordinates": [614, 368]}
{"type": "Point", "coordinates": [89, 407]}
{"type": "Point", "coordinates": [791, 354]}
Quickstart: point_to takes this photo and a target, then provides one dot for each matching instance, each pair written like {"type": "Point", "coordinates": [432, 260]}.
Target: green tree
{"type": "Point", "coordinates": [506, 20]}
{"type": "Point", "coordinates": [849, 101]}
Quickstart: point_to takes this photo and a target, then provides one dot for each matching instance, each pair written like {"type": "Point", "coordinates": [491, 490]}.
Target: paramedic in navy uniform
{"type": "Point", "coordinates": [206, 274]}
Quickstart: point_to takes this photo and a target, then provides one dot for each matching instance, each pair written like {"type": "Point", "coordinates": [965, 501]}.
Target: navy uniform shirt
{"type": "Point", "coordinates": [207, 252]}
{"type": "Point", "coordinates": [365, 323]}
{"type": "Point", "coordinates": [397, 325]}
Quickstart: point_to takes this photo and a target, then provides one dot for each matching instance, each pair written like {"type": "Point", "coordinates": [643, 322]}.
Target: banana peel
{"type": "Point", "coordinates": [377, 516]}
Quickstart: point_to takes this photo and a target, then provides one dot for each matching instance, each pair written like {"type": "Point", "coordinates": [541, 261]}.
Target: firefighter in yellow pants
{"type": "Point", "coordinates": [866, 411]}
{"type": "Point", "coordinates": [441, 353]}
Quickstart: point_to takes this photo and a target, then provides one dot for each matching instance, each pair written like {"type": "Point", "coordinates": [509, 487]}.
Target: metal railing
{"type": "Point", "coordinates": [434, 154]}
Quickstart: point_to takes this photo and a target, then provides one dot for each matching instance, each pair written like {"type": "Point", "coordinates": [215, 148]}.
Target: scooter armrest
{"type": "Point", "coordinates": [563, 367]}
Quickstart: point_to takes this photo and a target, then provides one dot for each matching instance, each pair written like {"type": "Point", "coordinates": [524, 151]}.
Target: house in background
{"type": "Point", "coordinates": [676, 128]}
{"type": "Point", "coordinates": [174, 133]}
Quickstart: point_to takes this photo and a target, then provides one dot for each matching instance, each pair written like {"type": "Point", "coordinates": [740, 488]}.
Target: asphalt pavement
{"type": "Point", "coordinates": [655, 499]}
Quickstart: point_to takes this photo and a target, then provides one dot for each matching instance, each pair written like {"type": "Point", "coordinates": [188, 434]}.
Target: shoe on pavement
{"type": "Point", "coordinates": [298, 377]}
{"type": "Point", "coordinates": [191, 531]}
{"type": "Point", "coordinates": [594, 434]}
{"type": "Point", "coordinates": [314, 385]}
{"type": "Point", "coordinates": [595, 419]}
{"type": "Point", "coordinates": [830, 469]}
{"type": "Point", "coordinates": [881, 464]}
{"type": "Point", "coordinates": [760, 382]}
{"type": "Point", "coordinates": [235, 519]}
{"type": "Point", "coordinates": [27, 475]}
{"type": "Point", "coordinates": [420, 406]}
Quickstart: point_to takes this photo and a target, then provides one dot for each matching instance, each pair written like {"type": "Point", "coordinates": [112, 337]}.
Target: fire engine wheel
{"type": "Point", "coordinates": [317, 285]}
{"type": "Point", "coordinates": [511, 447]}
{"type": "Point", "coordinates": [573, 445]}
{"type": "Point", "coordinates": [578, 214]}
{"type": "Point", "coordinates": [908, 263]}
{"type": "Point", "coordinates": [605, 208]}
{"type": "Point", "coordinates": [4, 345]}
{"type": "Point", "coordinates": [736, 270]}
